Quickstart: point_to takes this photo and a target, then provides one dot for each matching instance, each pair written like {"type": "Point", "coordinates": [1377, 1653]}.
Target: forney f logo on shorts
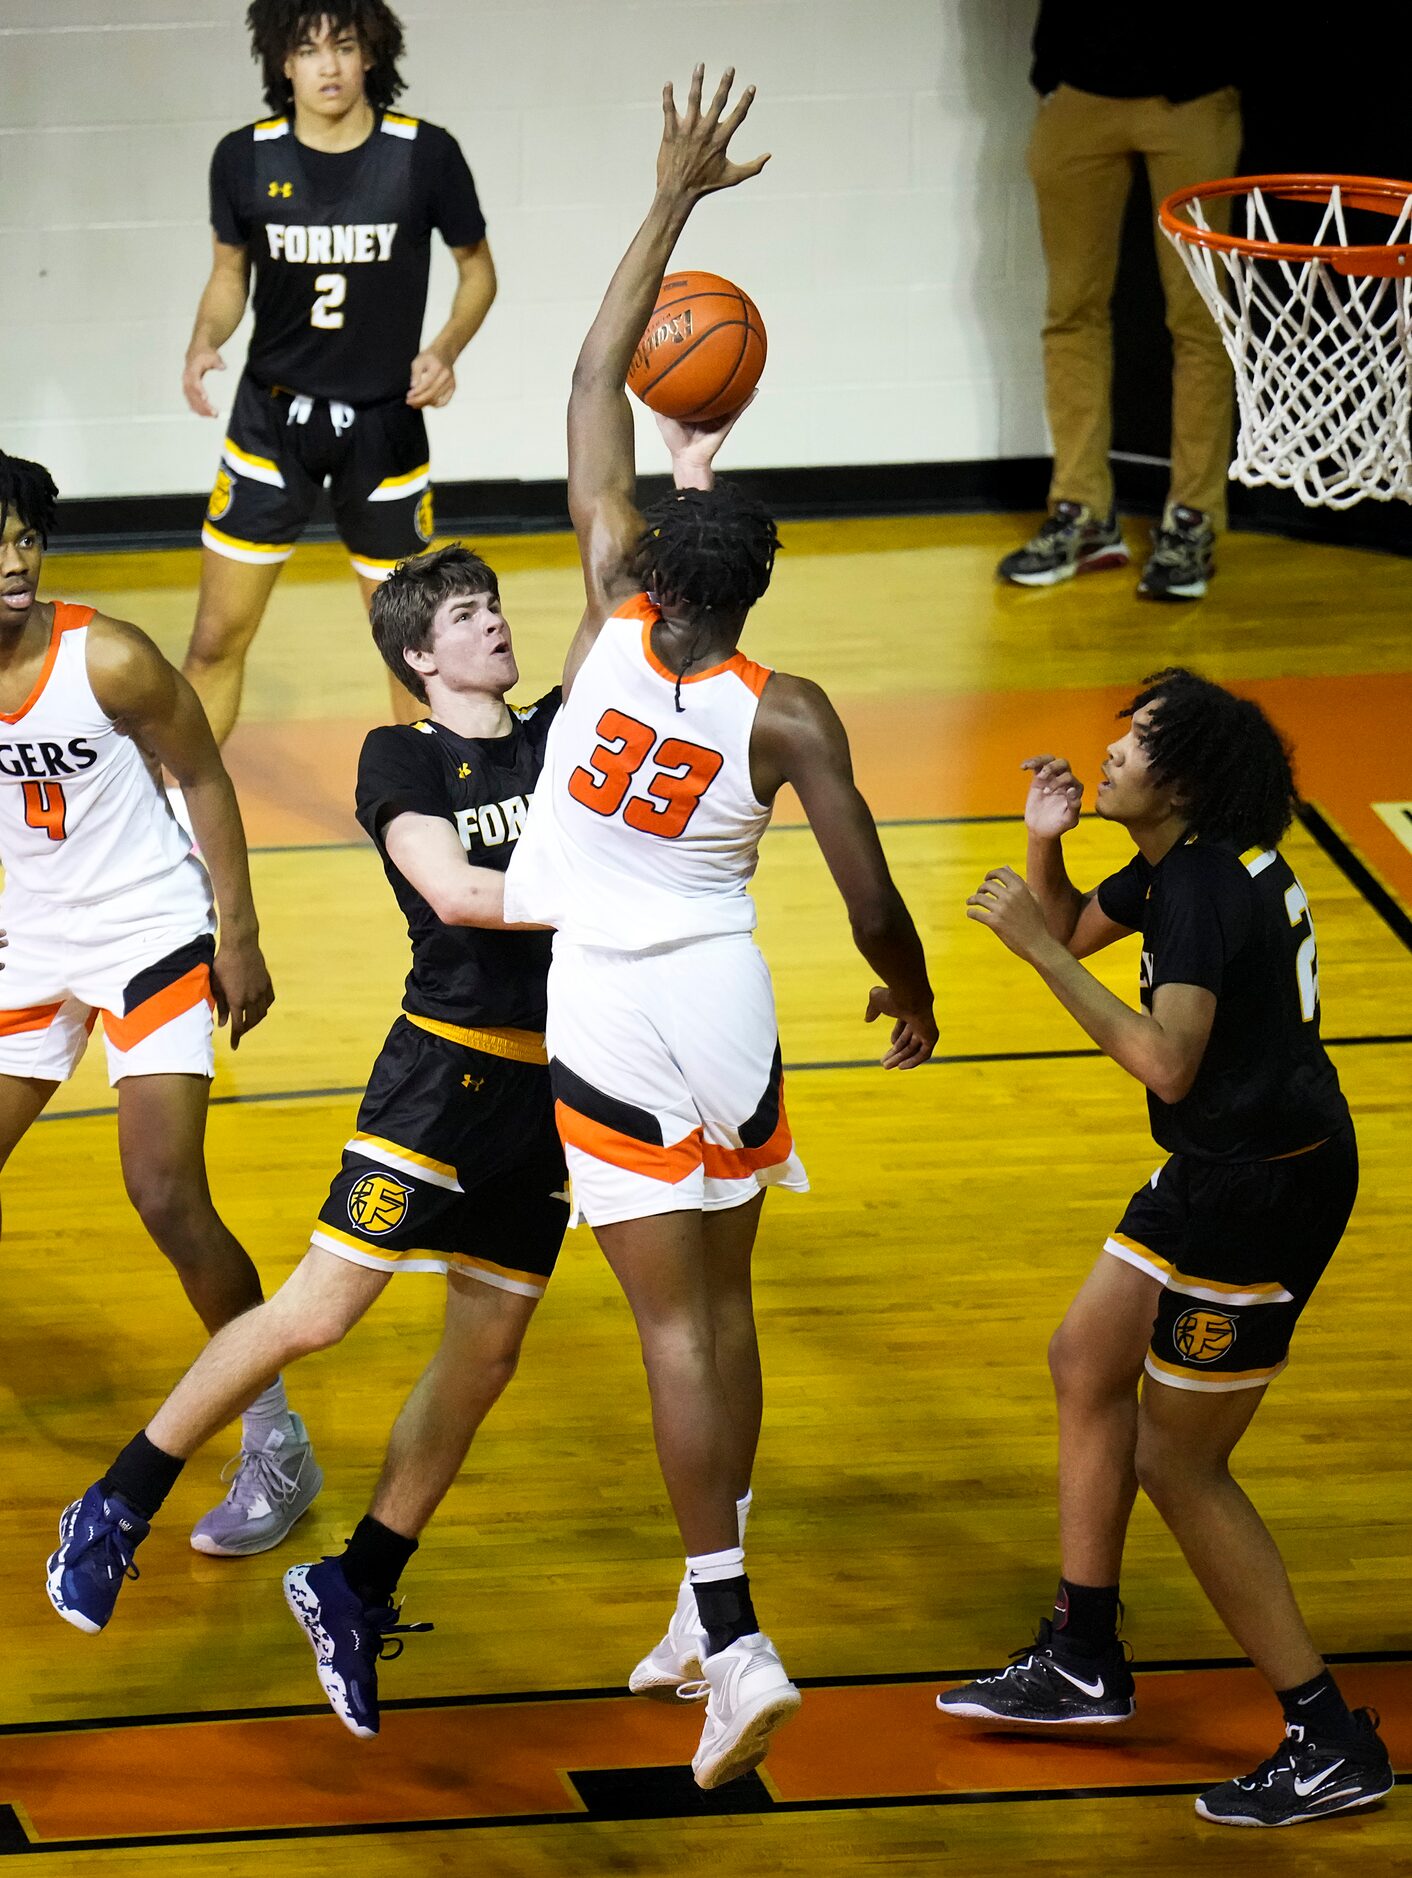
{"type": "Point", "coordinates": [1204, 1336]}
{"type": "Point", "coordinates": [378, 1203]}
{"type": "Point", "coordinates": [220, 496]}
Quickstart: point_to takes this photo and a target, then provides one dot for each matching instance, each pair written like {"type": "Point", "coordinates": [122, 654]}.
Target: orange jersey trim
{"type": "Point", "coordinates": [752, 676]}
{"type": "Point", "coordinates": [648, 1158]}
{"type": "Point", "coordinates": [67, 618]}
{"type": "Point", "coordinates": [36, 1017]}
{"type": "Point", "coordinates": [740, 1163]}
{"type": "Point", "coordinates": [174, 1000]}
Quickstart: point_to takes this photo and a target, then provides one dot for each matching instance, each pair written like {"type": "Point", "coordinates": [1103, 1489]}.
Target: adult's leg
{"type": "Point", "coordinates": [1096, 1358]}
{"type": "Point", "coordinates": [660, 1263]}
{"type": "Point", "coordinates": [315, 1307]}
{"type": "Point", "coordinates": [728, 1239]}
{"type": "Point", "coordinates": [161, 1139]}
{"type": "Point", "coordinates": [1185, 1441]}
{"type": "Point", "coordinates": [1081, 165]}
{"type": "Point", "coordinates": [1193, 143]}
{"type": "Point", "coordinates": [405, 708]}
{"type": "Point", "coordinates": [229, 607]}
{"type": "Point", "coordinates": [477, 1356]}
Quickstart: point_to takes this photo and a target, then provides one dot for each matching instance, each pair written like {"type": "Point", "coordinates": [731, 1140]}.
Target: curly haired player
{"type": "Point", "coordinates": [331, 201]}
{"type": "Point", "coordinates": [1204, 1279]}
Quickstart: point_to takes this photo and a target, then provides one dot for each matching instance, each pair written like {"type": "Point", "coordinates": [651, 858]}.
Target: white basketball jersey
{"type": "Point", "coordinates": [81, 815]}
{"type": "Point", "coordinates": [643, 829]}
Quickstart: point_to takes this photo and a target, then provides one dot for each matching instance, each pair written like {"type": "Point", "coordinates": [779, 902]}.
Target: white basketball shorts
{"type": "Point", "coordinates": [668, 1088]}
{"type": "Point", "coordinates": [141, 958]}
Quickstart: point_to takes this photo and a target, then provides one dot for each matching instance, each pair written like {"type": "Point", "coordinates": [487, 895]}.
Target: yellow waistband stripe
{"type": "Point", "coordinates": [519, 1046]}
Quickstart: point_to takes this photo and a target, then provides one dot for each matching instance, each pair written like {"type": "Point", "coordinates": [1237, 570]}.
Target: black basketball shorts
{"type": "Point", "coordinates": [455, 1165]}
{"type": "Point", "coordinates": [282, 448]}
{"type": "Point", "coordinates": [1238, 1248]}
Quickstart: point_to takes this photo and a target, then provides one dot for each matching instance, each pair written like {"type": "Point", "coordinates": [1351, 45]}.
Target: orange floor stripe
{"type": "Point", "coordinates": [869, 1743]}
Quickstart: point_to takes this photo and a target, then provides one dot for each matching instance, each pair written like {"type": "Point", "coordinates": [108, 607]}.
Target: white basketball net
{"type": "Point", "coordinates": [1321, 361]}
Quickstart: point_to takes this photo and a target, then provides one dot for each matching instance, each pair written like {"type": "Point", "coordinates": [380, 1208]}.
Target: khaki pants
{"type": "Point", "coordinates": [1081, 160]}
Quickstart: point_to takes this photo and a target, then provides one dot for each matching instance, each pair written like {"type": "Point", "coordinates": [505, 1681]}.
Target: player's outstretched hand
{"type": "Point", "coordinates": [1004, 903]}
{"type": "Point", "coordinates": [433, 382]}
{"type": "Point", "coordinates": [240, 983]}
{"type": "Point", "coordinates": [198, 362]}
{"type": "Point", "coordinates": [1056, 796]}
{"type": "Point", "coordinates": [693, 159]}
{"type": "Point", "coordinates": [693, 447]}
{"type": "Point", "coordinates": [913, 1032]}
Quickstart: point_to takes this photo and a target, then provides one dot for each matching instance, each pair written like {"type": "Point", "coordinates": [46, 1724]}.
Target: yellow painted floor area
{"type": "Point", "coordinates": [904, 1526]}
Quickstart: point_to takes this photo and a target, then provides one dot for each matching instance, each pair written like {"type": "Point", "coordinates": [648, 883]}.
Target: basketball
{"type": "Point", "coordinates": [703, 351]}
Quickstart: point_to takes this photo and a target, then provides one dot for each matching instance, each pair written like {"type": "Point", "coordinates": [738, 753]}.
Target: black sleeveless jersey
{"type": "Point", "coordinates": [462, 974]}
{"type": "Point", "coordinates": [341, 243]}
{"type": "Point", "coordinates": [1239, 925]}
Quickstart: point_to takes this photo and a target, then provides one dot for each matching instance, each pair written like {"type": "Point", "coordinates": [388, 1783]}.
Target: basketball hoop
{"type": "Point", "coordinates": [1319, 331]}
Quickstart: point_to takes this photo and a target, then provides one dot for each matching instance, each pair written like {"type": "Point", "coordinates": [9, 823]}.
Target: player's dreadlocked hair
{"type": "Point", "coordinates": [709, 550]}
{"type": "Point", "coordinates": [277, 27]}
{"type": "Point", "coordinates": [1224, 756]}
{"type": "Point", "coordinates": [404, 608]}
{"type": "Point", "coordinates": [27, 489]}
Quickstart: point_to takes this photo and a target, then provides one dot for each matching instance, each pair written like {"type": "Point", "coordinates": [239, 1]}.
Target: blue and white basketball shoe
{"type": "Point", "coordinates": [349, 1638]}
{"type": "Point", "coordinates": [97, 1538]}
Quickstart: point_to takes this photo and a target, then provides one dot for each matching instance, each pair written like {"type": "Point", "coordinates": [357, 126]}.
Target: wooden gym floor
{"type": "Point", "coordinates": [904, 1530]}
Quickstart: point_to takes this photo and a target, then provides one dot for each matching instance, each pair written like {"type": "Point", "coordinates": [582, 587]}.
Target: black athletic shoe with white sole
{"type": "Point", "coordinates": [1044, 1687]}
{"type": "Point", "coordinates": [1306, 1780]}
{"type": "Point", "coordinates": [1071, 540]}
{"type": "Point", "coordinates": [1183, 557]}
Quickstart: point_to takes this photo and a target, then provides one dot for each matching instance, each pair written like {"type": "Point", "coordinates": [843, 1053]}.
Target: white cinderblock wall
{"type": "Point", "coordinates": [890, 245]}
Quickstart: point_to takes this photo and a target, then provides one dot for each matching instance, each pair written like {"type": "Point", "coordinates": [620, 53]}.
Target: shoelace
{"type": "Point", "coordinates": [1171, 545]}
{"type": "Point", "coordinates": [390, 1644]}
{"type": "Point", "coordinates": [115, 1550]}
{"type": "Point", "coordinates": [698, 1691]}
{"type": "Point", "coordinates": [250, 1473]}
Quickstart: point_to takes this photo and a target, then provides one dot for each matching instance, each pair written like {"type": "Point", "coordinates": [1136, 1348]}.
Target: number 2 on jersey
{"type": "Point", "coordinates": [45, 807]}
{"type": "Point", "coordinates": [685, 771]}
{"type": "Point", "coordinates": [332, 290]}
{"type": "Point", "coordinates": [1306, 959]}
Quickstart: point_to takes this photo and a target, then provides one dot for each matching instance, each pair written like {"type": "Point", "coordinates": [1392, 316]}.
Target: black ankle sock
{"type": "Point", "coordinates": [1318, 1708]}
{"type": "Point", "coordinates": [374, 1559]}
{"type": "Point", "coordinates": [143, 1476]}
{"type": "Point", "coordinates": [725, 1611]}
{"type": "Point", "coordinates": [1085, 1618]}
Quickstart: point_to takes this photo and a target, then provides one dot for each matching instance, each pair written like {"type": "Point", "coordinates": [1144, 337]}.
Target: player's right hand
{"type": "Point", "coordinates": [199, 361]}
{"type": "Point", "coordinates": [694, 159]}
{"type": "Point", "coordinates": [913, 1034]}
{"type": "Point", "coordinates": [1055, 800]}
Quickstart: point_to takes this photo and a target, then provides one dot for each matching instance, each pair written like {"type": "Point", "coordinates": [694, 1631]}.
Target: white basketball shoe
{"type": "Point", "coordinates": [748, 1696]}
{"type": "Point", "coordinates": [677, 1659]}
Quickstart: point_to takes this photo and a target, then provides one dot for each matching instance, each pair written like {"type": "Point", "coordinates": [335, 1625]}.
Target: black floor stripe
{"type": "Point", "coordinates": [1357, 873]}
{"type": "Point", "coordinates": [516, 1698]}
{"type": "Point", "coordinates": [1390, 1039]}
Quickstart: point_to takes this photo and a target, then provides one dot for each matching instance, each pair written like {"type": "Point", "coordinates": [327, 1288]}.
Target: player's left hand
{"type": "Point", "coordinates": [240, 984]}
{"type": "Point", "coordinates": [433, 382]}
{"type": "Point", "coordinates": [693, 447]}
{"type": "Point", "coordinates": [913, 1034]}
{"type": "Point", "coordinates": [1005, 904]}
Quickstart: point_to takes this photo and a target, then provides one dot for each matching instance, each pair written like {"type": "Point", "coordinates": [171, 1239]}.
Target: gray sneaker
{"type": "Point", "coordinates": [269, 1490]}
{"type": "Point", "coordinates": [1071, 540]}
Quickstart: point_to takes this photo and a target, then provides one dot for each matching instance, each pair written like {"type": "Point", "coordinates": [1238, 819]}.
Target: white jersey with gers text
{"type": "Point", "coordinates": [644, 829]}
{"type": "Point", "coordinates": [81, 815]}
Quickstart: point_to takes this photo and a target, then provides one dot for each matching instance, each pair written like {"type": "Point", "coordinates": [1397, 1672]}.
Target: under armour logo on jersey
{"type": "Point", "coordinates": [281, 189]}
{"type": "Point", "coordinates": [473, 1082]}
{"type": "Point", "coordinates": [464, 771]}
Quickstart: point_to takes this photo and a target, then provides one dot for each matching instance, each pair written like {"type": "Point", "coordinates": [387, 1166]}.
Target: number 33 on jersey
{"type": "Point", "coordinates": [644, 829]}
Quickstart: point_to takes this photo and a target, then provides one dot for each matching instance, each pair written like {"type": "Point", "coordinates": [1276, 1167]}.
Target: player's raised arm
{"type": "Point", "coordinates": [1052, 809]}
{"type": "Point", "coordinates": [221, 308]}
{"type": "Point", "coordinates": [155, 705]}
{"type": "Point", "coordinates": [799, 739]}
{"type": "Point", "coordinates": [692, 161]}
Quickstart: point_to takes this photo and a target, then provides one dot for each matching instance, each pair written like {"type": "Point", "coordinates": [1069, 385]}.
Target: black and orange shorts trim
{"type": "Point", "coordinates": [281, 449]}
{"type": "Point", "coordinates": [1238, 1248]}
{"type": "Point", "coordinates": [455, 1164]}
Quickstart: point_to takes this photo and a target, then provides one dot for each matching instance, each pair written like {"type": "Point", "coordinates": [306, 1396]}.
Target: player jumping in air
{"type": "Point", "coordinates": [454, 1167]}
{"type": "Point", "coordinates": [332, 200]}
{"type": "Point", "coordinates": [106, 910]}
{"type": "Point", "coordinates": [1205, 1277]}
{"type": "Point", "coordinates": [658, 784]}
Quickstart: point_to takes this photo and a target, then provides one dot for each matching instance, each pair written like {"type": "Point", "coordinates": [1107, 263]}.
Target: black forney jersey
{"type": "Point", "coordinates": [462, 975]}
{"type": "Point", "coordinates": [1239, 925]}
{"type": "Point", "coordinates": [341, 244]}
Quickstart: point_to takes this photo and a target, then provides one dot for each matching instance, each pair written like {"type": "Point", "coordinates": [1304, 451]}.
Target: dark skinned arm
{"type": "Point", "coordinates": [691, 163]}
{"type": "Point", "coordinates": [799, 740]}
